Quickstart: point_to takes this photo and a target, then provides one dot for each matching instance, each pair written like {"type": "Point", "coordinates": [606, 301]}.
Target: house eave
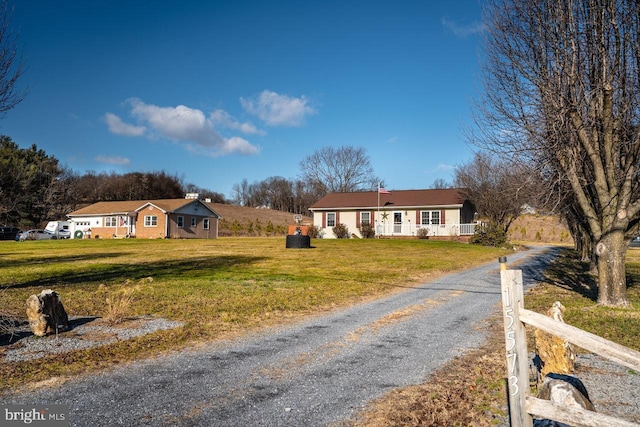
{"type": "Point", "coordinates": [128, 213]}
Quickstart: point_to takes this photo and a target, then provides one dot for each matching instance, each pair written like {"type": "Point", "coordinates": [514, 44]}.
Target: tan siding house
{"type": "Point", "coordinates": [401, 213]}
{"type": "Point", "coordinates": [152, 219]}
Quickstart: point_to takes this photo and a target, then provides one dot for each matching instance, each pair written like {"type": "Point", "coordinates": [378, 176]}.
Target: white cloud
{"type": "Point", "coordinates": [113, 160]}
{"type": "Point", "coordinates": [443, 167]}
{"type": "Point", "coordinates": [278, 110]}
{"type": "Point", "coordinates": [392, 140]}
{"type": "Point", "coordinates": [224, 119]}
{"type": "Point", "coordinates": [460, 30]}
{"type": "Point", "coordinates": [117, 126]}
{"type": "Point", "coordinates": [239, 145]}
{"type": "Point", "coordinates": [181, 124]}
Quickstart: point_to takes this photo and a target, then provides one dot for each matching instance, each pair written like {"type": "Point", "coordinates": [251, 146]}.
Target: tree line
{"type": "Point", "coordinates": [327, 170]}
{"type": "Point", "coordinates": [36, 188]}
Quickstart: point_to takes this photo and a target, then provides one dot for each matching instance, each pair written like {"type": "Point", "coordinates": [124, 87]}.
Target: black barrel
{"type": "Point", "coordinates": [294, 241]}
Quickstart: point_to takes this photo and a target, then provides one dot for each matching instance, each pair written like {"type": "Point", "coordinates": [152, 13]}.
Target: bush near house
{"type": "Point", "coordinates": [315, 232]}
{"type": "Point", "coordinates": [341, 231]}
{"type": "Point", "coordinates": [423, 233]}
{"type": "Point", "coordinates": [367, 231]}
{"type": "Point", "coordinates": [489, 234]}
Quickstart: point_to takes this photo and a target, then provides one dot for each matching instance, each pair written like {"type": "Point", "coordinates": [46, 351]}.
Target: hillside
{"type": "Point", "coordinates": [248, 221]}
{"type": "Point", "coordinates": [541, 229]}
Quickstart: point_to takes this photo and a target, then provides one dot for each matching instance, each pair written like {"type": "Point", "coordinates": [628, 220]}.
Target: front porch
{"type": "Point", "coordinates": [433, 230]}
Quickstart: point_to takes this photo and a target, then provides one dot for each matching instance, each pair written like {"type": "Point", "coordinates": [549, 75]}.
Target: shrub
{"type": "Point", "coordinates": [341, 231]}
{"type": "Point", "coordinates": [270, 228]}
{"type": "Point", "coordinates": [315, 232]}
{"type": "Point", "coordinates": [489, 234]}
{"type": "Point", "coordinates": [367, 231]}
{"type": "Point", "coordinates": [422, 233]}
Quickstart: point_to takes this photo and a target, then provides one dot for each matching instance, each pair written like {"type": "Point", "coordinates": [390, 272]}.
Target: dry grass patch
{"type": "Point", "coordinates": [118, 305]}
{"type": "Point", "coordinates": [469, 390]}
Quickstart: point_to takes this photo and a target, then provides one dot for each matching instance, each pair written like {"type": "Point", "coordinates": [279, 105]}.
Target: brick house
{"type": "Point", "coordinates": [167, 218]}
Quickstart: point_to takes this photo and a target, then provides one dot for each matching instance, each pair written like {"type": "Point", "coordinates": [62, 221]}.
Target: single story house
{"type": "Point", "coordinates": [167, 218]}
{"type": "Point", "coordinates": [441, 212]}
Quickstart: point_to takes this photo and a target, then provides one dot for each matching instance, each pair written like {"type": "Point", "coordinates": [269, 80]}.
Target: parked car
{"type": "Point", "coordinates": [635, 243]}
{"type": "Point", "coordinates": [37, 234]}
{"type": "Point", "coordinates": [8, 233]}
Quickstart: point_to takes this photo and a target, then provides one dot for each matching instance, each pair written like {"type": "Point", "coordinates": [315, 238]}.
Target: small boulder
{"type": "Point", "coordinates": [565, 391]}
{"type": "Point", "coordinates": [46, 313]}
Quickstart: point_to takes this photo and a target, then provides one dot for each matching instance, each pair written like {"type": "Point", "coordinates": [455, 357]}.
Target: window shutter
{"type": "Point", "coordinates": [324, 220]}
{"type": "Point", "coordinates": [418, 219]}
{"type": "Point", "coordinates": [337, 217]}
{"type": "Point", "coordinates": [358, 219]}
{"type": "Point", "coordinates": [442, 221]}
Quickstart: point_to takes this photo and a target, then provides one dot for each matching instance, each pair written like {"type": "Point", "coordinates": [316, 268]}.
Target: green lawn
{"type": "Point", "coordinates": [568, 281]}
{"type": "Point", "coordinates": [217, 287]}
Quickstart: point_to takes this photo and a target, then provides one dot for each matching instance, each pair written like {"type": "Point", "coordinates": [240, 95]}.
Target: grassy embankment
{"type": "Point", "coordinates": [219, 288]}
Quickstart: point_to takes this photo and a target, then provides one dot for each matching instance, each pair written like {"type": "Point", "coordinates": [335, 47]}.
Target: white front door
{"type": "Point", "coordinates": [397, 223]}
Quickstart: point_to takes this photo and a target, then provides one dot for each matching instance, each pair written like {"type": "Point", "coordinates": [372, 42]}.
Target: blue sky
{"type": "Point", "coordinates": [217, 92]}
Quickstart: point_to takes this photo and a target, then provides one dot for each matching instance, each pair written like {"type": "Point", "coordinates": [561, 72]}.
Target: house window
{"type": "Point", "coordinates": [180, 221]}
{"type": "Point", "coordinates": [194, 221]}
{"type": "Point", "coordinates": [429, 217]}
{"type": "Point", "coordinates": [205, 223]}
{"type": "Point", "coordinates": [150, 220]}
{"type": "Point", "coordinates": [365, 217]}
{"type": "Point", "coordinates": [331, 219]}
{"type": "Point", "coordinates": [435, 217]}
{"type": "Point", "coordinates": [110, 221]}
{"type": "Point", "coordinates": [424, 218]}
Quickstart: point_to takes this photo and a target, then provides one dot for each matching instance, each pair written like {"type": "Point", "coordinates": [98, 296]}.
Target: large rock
{"type": "Point", "coordinates": [555, 354]}
{"type": "Point", "coordinates": [46, 313]}
{"type": "Point", "coordinates": [565, 391]}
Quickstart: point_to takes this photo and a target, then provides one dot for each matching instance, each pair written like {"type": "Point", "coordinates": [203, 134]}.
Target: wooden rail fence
{"type": "Point", "coordinates": [522, 406]}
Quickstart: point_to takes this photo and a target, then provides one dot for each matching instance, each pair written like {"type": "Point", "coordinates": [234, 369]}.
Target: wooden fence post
{"type": "Point", "coordinates": [515, 345]}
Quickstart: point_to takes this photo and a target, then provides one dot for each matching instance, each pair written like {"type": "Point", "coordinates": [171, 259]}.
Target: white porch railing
{"type": "Point", "coordinates": [435, 230]}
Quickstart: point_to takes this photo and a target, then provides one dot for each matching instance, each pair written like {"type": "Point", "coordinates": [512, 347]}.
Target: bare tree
{"type": "Point", "coordinates": [343, 169]}
{"type": "Point", "coordinates": [241, 193]}
{"type": "Point", "coordinates": [498, 188]}
{"type": "Point", "coordinates": [440, 183]}
{"type": "Point", "coordinates": [11, 64]}
{"type": "Point", "coordinates": [561, 87]}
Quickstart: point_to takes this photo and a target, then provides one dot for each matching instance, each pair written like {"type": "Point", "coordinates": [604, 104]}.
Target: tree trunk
{"type": "Point", "coordinates": [612, 284]}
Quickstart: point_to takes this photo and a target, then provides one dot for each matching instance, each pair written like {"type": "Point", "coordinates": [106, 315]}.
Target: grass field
{"type": "Point", "coordinates": [217, 287]}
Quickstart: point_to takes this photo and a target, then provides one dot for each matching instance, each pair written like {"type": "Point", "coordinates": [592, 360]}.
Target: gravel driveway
{"type": "Point", "coordinates": [317, 372]}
